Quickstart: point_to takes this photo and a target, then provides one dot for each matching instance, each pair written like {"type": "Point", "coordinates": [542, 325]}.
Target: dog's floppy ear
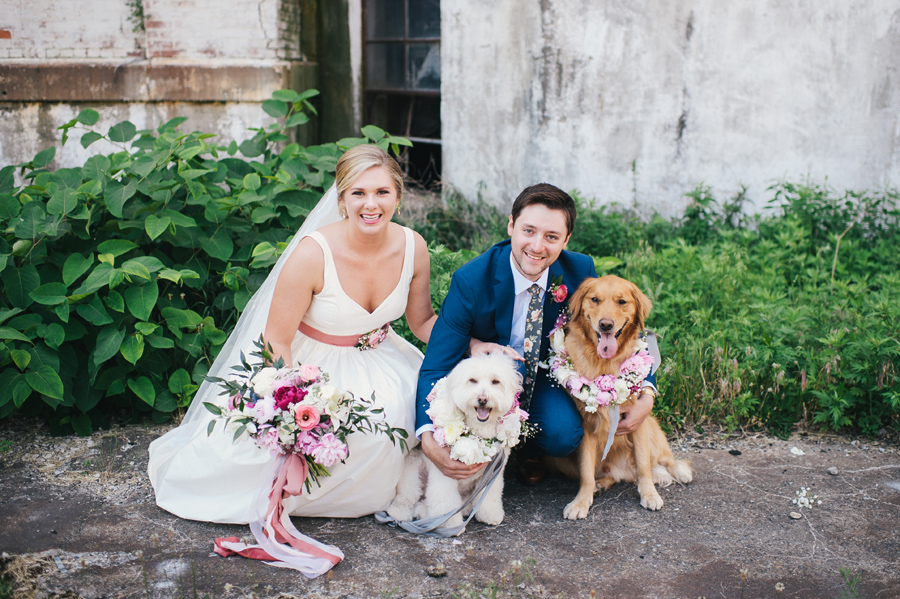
{"type": "Point", "coordinates": [577, 300]}
{"type": "Point", "coordinates": [642, 304]}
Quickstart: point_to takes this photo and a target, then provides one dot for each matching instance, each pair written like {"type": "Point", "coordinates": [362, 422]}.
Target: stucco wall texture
{"type": "Point", "coordinates": [639, 101]}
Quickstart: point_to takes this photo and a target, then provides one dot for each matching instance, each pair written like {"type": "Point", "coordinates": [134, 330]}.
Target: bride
{"type": "Point", "coordinates": [349, 271]}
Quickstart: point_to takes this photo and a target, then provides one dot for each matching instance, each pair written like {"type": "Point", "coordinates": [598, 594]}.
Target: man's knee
{"type": "Point", "coordinates": [560, 441]}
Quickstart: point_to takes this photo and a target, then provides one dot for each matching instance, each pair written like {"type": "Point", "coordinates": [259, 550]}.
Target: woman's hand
{"type": "Point", "coordinates": [440, 456]}
{"type": "Point", "coordinates": [480, 348]}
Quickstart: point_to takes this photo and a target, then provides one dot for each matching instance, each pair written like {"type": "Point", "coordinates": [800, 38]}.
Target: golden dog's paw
{"type": "Point", "coordinates": [652, 501]}
{"type": "Point", "coordinates": [604, 483]}
{"type": "Point", "coordinates": [577, 510]}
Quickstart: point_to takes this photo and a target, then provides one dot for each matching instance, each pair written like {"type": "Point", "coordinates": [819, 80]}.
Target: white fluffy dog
{"type": "Point", "coordinates": [483, 389]}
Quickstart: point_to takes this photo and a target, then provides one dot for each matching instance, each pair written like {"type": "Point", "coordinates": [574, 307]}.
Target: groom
{"type": "Point", "coordinates": [493, 298]}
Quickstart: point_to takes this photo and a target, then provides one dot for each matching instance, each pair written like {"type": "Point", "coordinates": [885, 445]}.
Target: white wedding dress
{"type": "Point", "coordinates": [209, 478]}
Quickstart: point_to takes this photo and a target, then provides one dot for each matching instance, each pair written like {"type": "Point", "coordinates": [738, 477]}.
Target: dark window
{"type": "Point", "coordinates": [403, 78]}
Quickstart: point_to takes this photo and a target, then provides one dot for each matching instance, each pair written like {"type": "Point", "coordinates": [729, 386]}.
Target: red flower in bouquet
{"type": "Point", "coordinates": [288, 395]}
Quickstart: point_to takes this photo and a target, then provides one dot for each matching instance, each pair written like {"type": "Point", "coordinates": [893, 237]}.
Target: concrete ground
{"type": "Point", "coordinates": [78, 520]}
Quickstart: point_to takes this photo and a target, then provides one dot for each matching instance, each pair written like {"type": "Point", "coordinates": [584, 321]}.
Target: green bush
{"type": "Point", "coordinates": [121, 278]}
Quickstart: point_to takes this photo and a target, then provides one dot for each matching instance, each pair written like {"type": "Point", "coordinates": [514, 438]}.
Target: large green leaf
{"type": "Point", "coordinates": [63, 201]}
{"type": "Point", "coordinates": [96, 168]}
{"type": "Point", "coordinates": [46, 382]}
{"type": "Point", "coordinates": [117, 194]}
{"type": "Point", "coordinates": [94, 312]}
{"type": "Point", "coordinates": [44, 157]}
{"type": "Point", "coordinates": [53, 334]}
{"type": "Point", "coordinates": [7, 179]}
{"type": "Point", "coordinates": [136, 269]}
{"type": "Point", "coordinates": [18, 283]}
{"type": "Point", "coordinates": [132, 347]}
{"type": "Point", "coordinates": [141, 299]}
{"type": "Point", "coordinates": [88, 117]}
{"type": "Point", "coordinates": [180, 381]}
{"type": "Point", "coordinates": [116, 247]}
{"type": "Point", "coordinates": [109, 340]}
{"type": "Point", "coordinates": [9, 207]}
{"type": "Point", "coordinates": [90, 137]}
{"type": "Point", "coordinates": [143, 388]}
{"type": "Point", "coordinates": [156, 226]}
{"type": "Point", "coordinates": [124, 131]}
{"type": "Point", "coordinates": [98, 279]}
{"type": "Point", "coordinates": [75, 266]}
{"type": "Point", "coordinates": [10, 334]}
{"type": "Point", "coordinates": [49, 294]}
{"type": "Point", "coordinates": [31, 221]}
{"type": "Point", "coordinates": [219, 245]}
{"type": "Point", "coordinates": [81, 424]}
{"type": "Point", "coordinates": [149, 262]}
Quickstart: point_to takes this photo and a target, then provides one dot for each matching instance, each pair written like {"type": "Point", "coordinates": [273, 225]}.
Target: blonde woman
{"type": "Point", "coordinates": [348, 272]}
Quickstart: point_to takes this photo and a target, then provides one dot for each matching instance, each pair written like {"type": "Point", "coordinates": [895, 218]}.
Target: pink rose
{"type": "Point", "coordinates": [288, 395]}
{"type": "Point", "coordinates": [307, 417]}
{"type": "Point", "coordinates": [604, 398]}
{"type": "Point", "coordinates": [560, 293]}
{"type": "Point", "coordinates": [440, 437]}
{"type": "Point", "coordinates": [309, 372]}
{"type": "Point", "coordinates": [607, 382]}
{"type": "Point", "coordinates": [232, 401]}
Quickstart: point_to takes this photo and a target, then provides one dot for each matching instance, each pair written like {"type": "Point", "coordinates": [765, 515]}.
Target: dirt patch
{"type": "Point", "coordinates": [79, 520]}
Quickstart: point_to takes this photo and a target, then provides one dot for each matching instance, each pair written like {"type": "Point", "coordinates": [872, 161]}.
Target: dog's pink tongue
{"type": "Point", "coordinates": [608, 346]}
{"type": "Point", "coordinates": [483, 413]}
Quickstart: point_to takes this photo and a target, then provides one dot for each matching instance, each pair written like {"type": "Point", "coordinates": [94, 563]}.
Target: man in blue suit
{"type": "Point", "coordinates": [488, 301]}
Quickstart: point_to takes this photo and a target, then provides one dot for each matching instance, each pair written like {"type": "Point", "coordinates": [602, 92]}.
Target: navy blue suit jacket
{"type": "Point", "coordinates": [480, 304]}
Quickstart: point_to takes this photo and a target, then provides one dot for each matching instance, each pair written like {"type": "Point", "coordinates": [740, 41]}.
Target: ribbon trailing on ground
{"type": "Point", "coordinates": [432, 526]}
{"type": "Point", "coordinates": [279, 543]}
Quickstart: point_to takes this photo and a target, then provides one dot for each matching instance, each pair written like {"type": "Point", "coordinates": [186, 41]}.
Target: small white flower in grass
{"type": "Point", "coordinates": [805, 499]}
{"type": "Point", "coordinates": [797, 451]}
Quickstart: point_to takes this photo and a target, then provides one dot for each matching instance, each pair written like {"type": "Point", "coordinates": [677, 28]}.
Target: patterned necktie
{"type": "Point", "coordinates": [533, 328]}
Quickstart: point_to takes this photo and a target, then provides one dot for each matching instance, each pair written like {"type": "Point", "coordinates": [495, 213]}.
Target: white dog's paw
{"type": "Point", "coordinates": [453, 522]}
{"type": "Point", "coordinates": [651, 500]}
{"type": "Point", "coordinates": [577, 510]}
{"type": "Point", "coordinates": [492, 515]}
{"type": "Point", "coordinates": [401, 512]}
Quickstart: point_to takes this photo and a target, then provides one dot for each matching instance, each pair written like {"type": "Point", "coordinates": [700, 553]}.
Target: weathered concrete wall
{"type": "Point", "coordinates": [213, 61]}
{"type": "Point", "coordinates": [643, 100]}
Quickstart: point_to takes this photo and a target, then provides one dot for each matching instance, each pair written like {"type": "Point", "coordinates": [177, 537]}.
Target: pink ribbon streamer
{"type": "Point", "coordinates": [279, 542]}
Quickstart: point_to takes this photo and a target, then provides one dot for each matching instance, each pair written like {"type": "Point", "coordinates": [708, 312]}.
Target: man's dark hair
{"type": "Point", "coordinates": [550, 196]}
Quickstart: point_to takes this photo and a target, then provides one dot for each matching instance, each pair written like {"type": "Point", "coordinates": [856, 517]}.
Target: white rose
{"type": "Point", "coordinates": [509, 430]}
{"type": "Point", "coordinates": [263, 382]}
{"type": "Point", "coordinates": [558, 340]}
{"type": "Point", "coordinates": [468, 451]}
{"type": "Point", "coordinates": [338, 411]}
{"type": "Point", "coordinates": [622, 391]}
{"type": "Point", "coordinates": [443, 412]}
{"type": "Point", "coordinates": [453, 429]}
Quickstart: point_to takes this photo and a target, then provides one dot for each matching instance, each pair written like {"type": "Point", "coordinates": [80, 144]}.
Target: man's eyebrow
{"type": "Point", "coordinates": [551, 232]}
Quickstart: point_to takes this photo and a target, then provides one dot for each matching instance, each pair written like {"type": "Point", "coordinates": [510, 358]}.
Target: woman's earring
{"type": "Point", "coordinates": [342, 210]}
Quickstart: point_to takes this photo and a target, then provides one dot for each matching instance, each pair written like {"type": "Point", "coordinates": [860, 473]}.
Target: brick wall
{"type": "Point", "coordinates": [178, 29]}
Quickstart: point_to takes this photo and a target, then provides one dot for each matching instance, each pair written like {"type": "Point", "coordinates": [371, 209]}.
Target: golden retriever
{"type": "Point", "coordinates": [606, 316]}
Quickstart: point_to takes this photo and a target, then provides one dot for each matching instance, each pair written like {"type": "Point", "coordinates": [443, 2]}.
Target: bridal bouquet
{"type": "Point", "coordinates": [295, 411]}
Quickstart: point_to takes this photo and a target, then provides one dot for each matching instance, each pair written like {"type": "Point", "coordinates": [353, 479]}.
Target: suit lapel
{"type": "Point", "coordinates": [504, 294]}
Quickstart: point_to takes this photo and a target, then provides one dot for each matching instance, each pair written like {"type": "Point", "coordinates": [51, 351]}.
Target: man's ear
{"type": "Point", "coordinates": [566, 242]}
{"type": "Point", "coordinates": [509, 227]}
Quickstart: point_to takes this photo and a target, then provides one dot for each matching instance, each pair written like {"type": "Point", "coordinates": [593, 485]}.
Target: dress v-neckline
{"type": "Point", "coordinates": [340, 286]}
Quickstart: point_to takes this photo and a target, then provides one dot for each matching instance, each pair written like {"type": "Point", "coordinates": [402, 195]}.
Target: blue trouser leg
{"type": "Point", "coordinates": [553, 410]}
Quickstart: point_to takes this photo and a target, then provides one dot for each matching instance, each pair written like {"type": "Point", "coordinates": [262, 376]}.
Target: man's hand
{"type": "Point", "coordinates": [480, 348]}
{"type": "Point", "coordinates": [440, 456]}
{"type": "Point", "coordinates": [635, 415]}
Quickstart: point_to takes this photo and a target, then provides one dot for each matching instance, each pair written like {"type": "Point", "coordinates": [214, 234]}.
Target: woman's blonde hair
{"type": "Point", "coordinates": [358, 160]}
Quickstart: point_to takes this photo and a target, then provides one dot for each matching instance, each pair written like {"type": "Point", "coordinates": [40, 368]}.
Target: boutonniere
{"type": "Point", "coordinates": [558, 291]}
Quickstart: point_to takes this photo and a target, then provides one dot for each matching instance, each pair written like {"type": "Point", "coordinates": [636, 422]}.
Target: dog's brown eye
{"type": "Point", "coordinates": [622, 302]}
{"type": "Point", "coordinates": [473, 381]}
{"type": "Point", "coordinates": [595, 300]}
{"type": "Point", "coordinates": [495, 382]}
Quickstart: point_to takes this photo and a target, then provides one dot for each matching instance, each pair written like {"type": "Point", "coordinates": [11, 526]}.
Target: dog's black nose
{"type": "Point", "coordinates": [606, 325]}
{"type": "Point", "coordinates": [482, 401]}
